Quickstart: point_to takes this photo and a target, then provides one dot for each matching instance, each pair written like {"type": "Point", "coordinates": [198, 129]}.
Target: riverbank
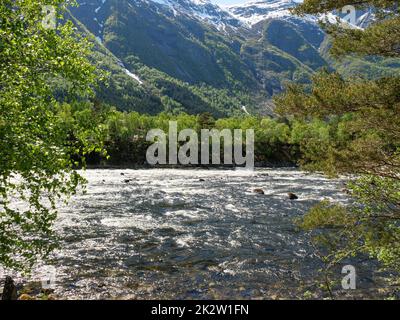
{"type": "Point", "coordinates": [144, 166]}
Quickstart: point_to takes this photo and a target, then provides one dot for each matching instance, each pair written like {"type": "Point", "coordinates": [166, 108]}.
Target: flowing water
{"type": "Point", "coordinates": [196, 234]}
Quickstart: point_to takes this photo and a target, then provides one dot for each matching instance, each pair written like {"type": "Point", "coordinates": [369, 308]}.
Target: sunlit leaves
{"type": "Point", "coordinates": [365, 143]}
{"type": "Point", "coordinates": [35, 146]}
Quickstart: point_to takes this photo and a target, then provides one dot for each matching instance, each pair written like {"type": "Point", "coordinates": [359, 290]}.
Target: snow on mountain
{"type": "Point", "coordinates": [203, 10]}
{"type": "Point", "coordinates": [224, 18]}
{"type": "Point", "coordinates": [253, 12]}
{"type": "Point", "coordinates": [250, 13]}
{"type": "Point", "coordinates": [133, 76]}
{"type": "Point", "coordinates": [256, 11]}
{"type": "Point", "coordinates": [95, 10]}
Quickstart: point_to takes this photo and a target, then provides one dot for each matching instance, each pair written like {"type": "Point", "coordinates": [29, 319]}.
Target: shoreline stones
{"type": "Point", "coordinates": [26, 297]}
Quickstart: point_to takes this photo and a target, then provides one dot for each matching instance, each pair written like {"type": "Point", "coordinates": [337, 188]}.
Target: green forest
{"type": "Point", "coordinates": [278, 141]}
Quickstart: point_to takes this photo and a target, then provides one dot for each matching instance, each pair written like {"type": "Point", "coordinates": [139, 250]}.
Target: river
{"type": "Point", "coordinates": [190, 234]}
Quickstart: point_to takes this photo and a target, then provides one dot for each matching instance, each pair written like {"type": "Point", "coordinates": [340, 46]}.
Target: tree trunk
{"type": "Point", "coordinates": [9, 291]}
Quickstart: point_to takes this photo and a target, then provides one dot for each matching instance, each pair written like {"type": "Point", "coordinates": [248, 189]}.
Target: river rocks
{"type": "Point", "coordinates": [26, 297]}
{"type": "Point", "coordinates": [346, 191]}
{"type": "Point", "coordinates": [33, 288]}
{"type": "Point", "coordinates": [52, 297]}
{"type": "Point", "coordinates": [258, 191]}
{"type": "Point", "coordinates": [10, 290]}
{"type": "Point", "coordinates": [292, 196]}
{"type": "Point", "coordinates": [128, 297]}
{"type": "Point", "coordinates": [47, 291]}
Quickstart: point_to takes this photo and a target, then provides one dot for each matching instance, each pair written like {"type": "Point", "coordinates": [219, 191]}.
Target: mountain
{"type": "Point", "coordinates": [202, 10]}
{"type": "Point", "coordinates": [194, 56]}
{"type": "Point", "coordinates": [253, 12]}
{"type": "Point", "coordinates": [177, 44]}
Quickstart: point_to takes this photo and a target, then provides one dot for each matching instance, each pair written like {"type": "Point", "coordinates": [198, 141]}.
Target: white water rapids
{"type": "Point", "coordinates": [198, 234]}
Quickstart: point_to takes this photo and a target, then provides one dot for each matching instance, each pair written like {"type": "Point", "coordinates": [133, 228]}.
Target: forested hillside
{"type": "Point", "coordinates": [196, 57]}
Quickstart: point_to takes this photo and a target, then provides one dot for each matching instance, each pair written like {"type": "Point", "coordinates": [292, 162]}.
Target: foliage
{"type": "Point", "coordinates": [276, 142]}
{"type": "Point", "coordinates": [365, 142]}
{"type": "Point", "coordinates": [37, 141]}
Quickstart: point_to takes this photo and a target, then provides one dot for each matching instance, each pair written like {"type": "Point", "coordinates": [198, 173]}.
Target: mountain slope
{"type": "Point", "coordinates": [179, 45]}
{"type": "Point", "coordinates": [253, 12]}
{"type": "Point", "coordinates": [193, 56]}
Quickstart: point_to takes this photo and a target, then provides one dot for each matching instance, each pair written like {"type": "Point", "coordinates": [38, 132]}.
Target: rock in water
{"type": "Point", "coordinates": [9, 291]}
{"type": "Point", "coordinates": [259, 191]}
{"type": "Point", "coordinates": [292, 196]}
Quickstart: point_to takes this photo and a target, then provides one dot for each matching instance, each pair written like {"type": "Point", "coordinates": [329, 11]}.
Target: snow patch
{"type": "Point", "coordinates": [133, 76]}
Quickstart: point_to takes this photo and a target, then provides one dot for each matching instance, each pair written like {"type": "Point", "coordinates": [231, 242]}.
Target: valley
{"type": "Point", "coordinates": [194, 56]}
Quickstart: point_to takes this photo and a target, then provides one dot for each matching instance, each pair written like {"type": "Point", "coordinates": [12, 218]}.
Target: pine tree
{"type": "Point", "coordinates": [365, 141]}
